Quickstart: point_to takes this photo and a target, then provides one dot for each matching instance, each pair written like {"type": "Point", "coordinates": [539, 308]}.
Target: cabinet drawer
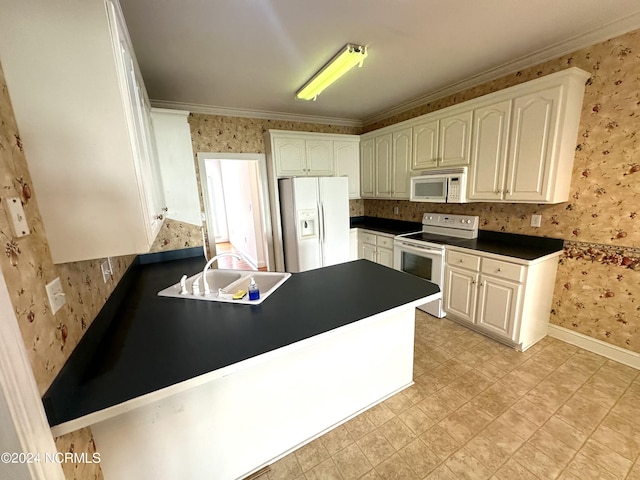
{"type": "Point", "coordinates": [365, 237]}
{"type": "Point", "coordinates": [385, 242]}
{"type": "Point", "coordinates": [463, 260]}
{"type": "Point", "coordinates": [506, 270]}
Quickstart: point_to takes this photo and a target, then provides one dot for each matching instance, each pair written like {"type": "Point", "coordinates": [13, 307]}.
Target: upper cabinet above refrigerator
{"type": "Point", "coordinates": [84, 121]}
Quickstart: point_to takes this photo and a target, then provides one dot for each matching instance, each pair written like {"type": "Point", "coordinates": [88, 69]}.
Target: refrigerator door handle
{"type": "Point", "coordinates": [322, 222]}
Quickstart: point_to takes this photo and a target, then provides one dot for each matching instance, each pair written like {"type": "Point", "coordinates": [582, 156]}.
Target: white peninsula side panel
{"type": "Point", "coordinates": [262, 408]}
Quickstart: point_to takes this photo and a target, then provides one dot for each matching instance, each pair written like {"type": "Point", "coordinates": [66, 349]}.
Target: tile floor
{"type": "Point", "coordinates": [479, 410]}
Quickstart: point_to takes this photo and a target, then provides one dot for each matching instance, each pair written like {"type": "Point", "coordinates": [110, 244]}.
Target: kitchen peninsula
{"type": "Point", "coordinates": [171, 385]}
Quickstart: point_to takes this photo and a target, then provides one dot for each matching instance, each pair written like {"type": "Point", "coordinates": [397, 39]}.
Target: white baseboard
{"type": "Point", "coordinates": [621, 355]}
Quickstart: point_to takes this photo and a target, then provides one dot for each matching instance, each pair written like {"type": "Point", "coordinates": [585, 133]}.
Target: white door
{"type": "Point", "coordinates": [334, 219]}
{"type": "Point", "coordinates": [385, 257]}
{"type": "Point", "coordinates": [497, 306]}
{"type": "Point", "coordinates": [460, 292]}
{"type": "Point", "coordinates": [489, 151]}
{"type": "Point", "coordinates": [368, 252]}
{"type": "Point", "coordinates": [531, 145]}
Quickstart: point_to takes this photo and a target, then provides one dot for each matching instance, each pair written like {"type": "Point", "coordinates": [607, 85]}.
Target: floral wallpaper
{"type": "Point", "coordinates": [175, 235]}
{"type": "Point", "coordinates": [598, 276]}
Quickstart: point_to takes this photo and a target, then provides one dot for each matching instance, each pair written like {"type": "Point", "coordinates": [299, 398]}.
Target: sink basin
{"type": "Point", "coordinates": [230, 281]}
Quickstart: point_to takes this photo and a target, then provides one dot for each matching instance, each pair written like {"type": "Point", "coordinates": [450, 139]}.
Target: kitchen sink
{"type": "Point", "coordinates": [224, 283]}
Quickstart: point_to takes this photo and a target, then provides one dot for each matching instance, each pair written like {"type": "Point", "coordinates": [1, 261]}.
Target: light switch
{"type": "Point", "coordinates": [17, 217]}
{"type": "Point", "coordinates": [56, 295]}
{"type": "Point", "coordinates": [536, 220]}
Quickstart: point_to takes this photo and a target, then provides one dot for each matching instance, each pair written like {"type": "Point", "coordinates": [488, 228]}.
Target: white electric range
{"type": "Point", "coordinates": [422, 253]}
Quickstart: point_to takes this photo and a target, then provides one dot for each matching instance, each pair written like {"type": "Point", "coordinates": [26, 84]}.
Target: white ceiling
{"type": "Point", "coordinates": [249, 57]}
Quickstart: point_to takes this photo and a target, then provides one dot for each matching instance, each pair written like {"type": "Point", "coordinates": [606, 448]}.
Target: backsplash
{"type": "Point", "coordinates": [595, 293]}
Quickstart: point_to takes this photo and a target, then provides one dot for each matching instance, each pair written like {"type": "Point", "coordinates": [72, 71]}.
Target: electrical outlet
{"type": "Point", "coordinates": [396, 210]}
{"type": "Point", "coordinates": [56, 295]}
{"type": "Point", "coordinates": [16, 214]}
{"type": "Point", "coordinates": [536, 220]}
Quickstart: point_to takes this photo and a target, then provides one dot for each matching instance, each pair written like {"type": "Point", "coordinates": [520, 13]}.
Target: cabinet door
{"type": "Point", "coordinates": [347, 158]}
{"type": "Point", "coordinates": [385, 257]}
{"type": "Point", "coordinates": [319, 158]}
{"type": "Point", "coordinates": [498, 305]}
{"type": "Point", "coordinates": [454, 140]}
{"type": "Point", "coordinates": [533, 138]}
{"type": "Point", "coordinates": [289, 156]}
{"type": "Point", "coordinates": [367, 168]}
{"type": "Point", "coordinates": [460, 292]}
{"type": "Point", "coordinates": [425, 145]}
{"type": "Point", "coordinates": [489, 151]}
{"type": "Point", "coordinates": [401, 163]}
{"type": "Point", "coordinates": [368, 252]}
{"type": "Point", "coordinates": [383, 165]}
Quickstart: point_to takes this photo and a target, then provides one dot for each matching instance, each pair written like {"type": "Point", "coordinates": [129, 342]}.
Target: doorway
{"type": "Point", "coordinates": [237, 214]}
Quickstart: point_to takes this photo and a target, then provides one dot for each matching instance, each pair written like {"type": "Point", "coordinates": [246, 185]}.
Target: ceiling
{"type": "Point", "coordinates": [249, 57]}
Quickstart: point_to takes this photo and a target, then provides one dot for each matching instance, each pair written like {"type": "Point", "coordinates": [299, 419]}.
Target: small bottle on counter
{"type": "Point", "coordinates": [254, 292]}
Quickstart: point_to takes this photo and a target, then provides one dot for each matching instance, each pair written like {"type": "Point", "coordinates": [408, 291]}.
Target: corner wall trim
{"type": "Point", "coordinates": [612, 352]}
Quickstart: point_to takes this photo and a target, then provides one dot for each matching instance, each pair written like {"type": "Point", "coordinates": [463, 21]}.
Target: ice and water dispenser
{"type": "Point", "coordinates": [308, 223]}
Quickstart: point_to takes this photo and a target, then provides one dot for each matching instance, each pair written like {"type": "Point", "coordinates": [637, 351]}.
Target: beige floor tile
{"type": "Point", "coordinates": [420, 458]}
{"type": "Point", "coordinates": [628, 447]}
{"type": "Point", "coordinates": [428, 384]}
{"type": "Point", "coordinates": [311, 454]}
{"type": "Point", "coordinates": [451, 397]}
{"type": "Point", "coordinates": [564, 432]}
{"type": "Point", "coordinates": [518, 423]}
{"type": "Point", "coordinates": [484, 449]}
{"type": "Point", "coordinates": [537, 462]}
{"type": "Point", "coordinates": [634, 474]}
{"type": "Point", "coordinates": [603, 381]}
{"type": "Point", "coordinates": [495, 400]}
{"type": "Point", "coordinates": [435, 408]}
{"type": "Point", "coordinates": [359, 426]}
{"type": "Point", "coordinates": [565, 380]}
{"type": "Point", "coordinates": [466, 466]}
{"type": "Point", "coordinates": [397, 433]}
{"type": "Point", "coordinates": [337, 439]}
{"type": "Point", "coordinates": [327, 470]}
{"type": "Point", "coordinates": [512, 470]}
{"type": "Point", "coordinates": [464, 423]}
{"type": "Point", "coordinates": [441, 473]}
{"type": "Point", "coordinates": [375, 447]}
{"type": "Point", "coordinates": [287, 468]}
{"type": "Point", "coordinates": [440, 442]}
{"type": "Point", "coordinates": [552, 447]}
{"type": "Point", "coordinates": [351, 462]}
{"type": "Point", "coordinates": [622, 424]}
{"type": "Point", "coordinates": [470, 384]}
{"type": "Point", "coordinates": [491, 370]}
{"type": "Point", "coordinates": [398, 403]}
{"type": "Point", "coordinates": [604, 398]}
{"type": "Point", "coordinates": [416, 393]}
{"type": "Point", "coordinates": [548, 397]}
{"type": "Point", "coordinates": [395, 468]}
{"type": "Point", "coordinates": [519, 382]}
{"type": "Point", "coordinates": [582, 414]}
{"type": "Point", "coordinates": [584, 468]}
{"type": "Point", "coordinates": [621, 372]}
{"type": "Point", "coordinates": [379, 414]}
{"type": "Point", "coordinates": [606, 458]}
{"type": "Point", "coordinates": [534, 412]}
{"type": "Point", "coordinates": [417, 421]}
{"type": "Point", "coordinates": [475, 355]}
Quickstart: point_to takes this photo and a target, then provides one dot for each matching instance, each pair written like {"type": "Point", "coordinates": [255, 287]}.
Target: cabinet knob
{"type": "Point", "coordinates": [498, 191]}
{"type": "Point", "coordinates": [508, 192]}
{"type": "Point", "coordinates": [461, 261]}
{"type": "Point", "coordinates": [499, 269]}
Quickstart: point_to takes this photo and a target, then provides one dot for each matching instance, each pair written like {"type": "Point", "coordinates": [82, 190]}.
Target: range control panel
{"type": "Point", "coordinates": [460, 222]}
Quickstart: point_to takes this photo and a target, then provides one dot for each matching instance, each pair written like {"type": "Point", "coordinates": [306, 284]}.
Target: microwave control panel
{"type": "Point", "coordinates": [454, 190]}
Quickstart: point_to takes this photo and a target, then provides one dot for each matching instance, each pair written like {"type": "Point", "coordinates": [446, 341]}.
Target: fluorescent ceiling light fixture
{"type": "Point", "coordinates": [345, 60]}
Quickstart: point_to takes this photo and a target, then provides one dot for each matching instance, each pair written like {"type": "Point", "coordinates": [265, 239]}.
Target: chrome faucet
{"type": "Point", "coordinates": [205, 284]}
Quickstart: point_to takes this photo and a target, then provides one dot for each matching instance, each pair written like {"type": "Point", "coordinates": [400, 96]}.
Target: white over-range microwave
{"type": "Point", "coordinates": [440, 186]}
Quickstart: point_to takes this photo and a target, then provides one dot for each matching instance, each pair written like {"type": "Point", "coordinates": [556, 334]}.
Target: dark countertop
{"type": "Point", "coordinates": [140, 342]}
{"type": "Point", "coordinates": [525, 247]}
{"type": "Point", "coordinates": [385, 225]}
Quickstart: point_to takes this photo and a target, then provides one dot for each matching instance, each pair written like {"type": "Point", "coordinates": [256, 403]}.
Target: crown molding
{"type": "Point", "coordinates": [262, 114]}
{"type": "Point", "coordinates": [598, 35]}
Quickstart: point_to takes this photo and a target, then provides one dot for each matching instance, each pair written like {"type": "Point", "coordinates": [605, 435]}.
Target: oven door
{"type": "Point", "coordinates": [424, 262]}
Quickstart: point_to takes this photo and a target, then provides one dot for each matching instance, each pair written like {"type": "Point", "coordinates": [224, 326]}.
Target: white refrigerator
{"type": "Point", "coordinates": [315, 221]}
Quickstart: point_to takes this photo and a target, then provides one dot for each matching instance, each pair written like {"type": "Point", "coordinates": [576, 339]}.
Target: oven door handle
{"type": "Point", "coordinates": [419, 248]}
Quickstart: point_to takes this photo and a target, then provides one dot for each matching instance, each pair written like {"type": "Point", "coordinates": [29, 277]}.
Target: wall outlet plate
{"type": "Point", "coordinates": [56, 295]}
{"type": "Point", "coordinates": [107, 269]}
{"type": "Point", "coordinates": [16, 215]}
{"type": "Point", "coordinates": [536, 220]}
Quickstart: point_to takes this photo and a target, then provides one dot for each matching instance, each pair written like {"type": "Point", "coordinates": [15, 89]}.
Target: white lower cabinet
{"type": "Point", "coordinates": [375, 247]}
{"type": "Point", "coordinates": [506, 298]}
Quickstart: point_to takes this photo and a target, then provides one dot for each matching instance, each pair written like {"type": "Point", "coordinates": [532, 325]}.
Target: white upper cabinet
{"type": "Point", "coordinates": [290, 156]}
{"type": "Point", "coordinates": [425, 145]}
{"type": "Point", "coordinates": [383, 159]}
{"type": "Point", "coordinates": [401, 163]}
{"type": "Point", "coordinates": [454, 140]}
{"type": "Point", "coordinates": [489, 151]}
{"type": "Point", "coordinates": [347, 158]}
{"type": "Point", "coordinates": [320, 157]}
{"type": "Point", "coordinates": [367, 168]}
{"type": "Point", "coordinates": [83, 116]}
